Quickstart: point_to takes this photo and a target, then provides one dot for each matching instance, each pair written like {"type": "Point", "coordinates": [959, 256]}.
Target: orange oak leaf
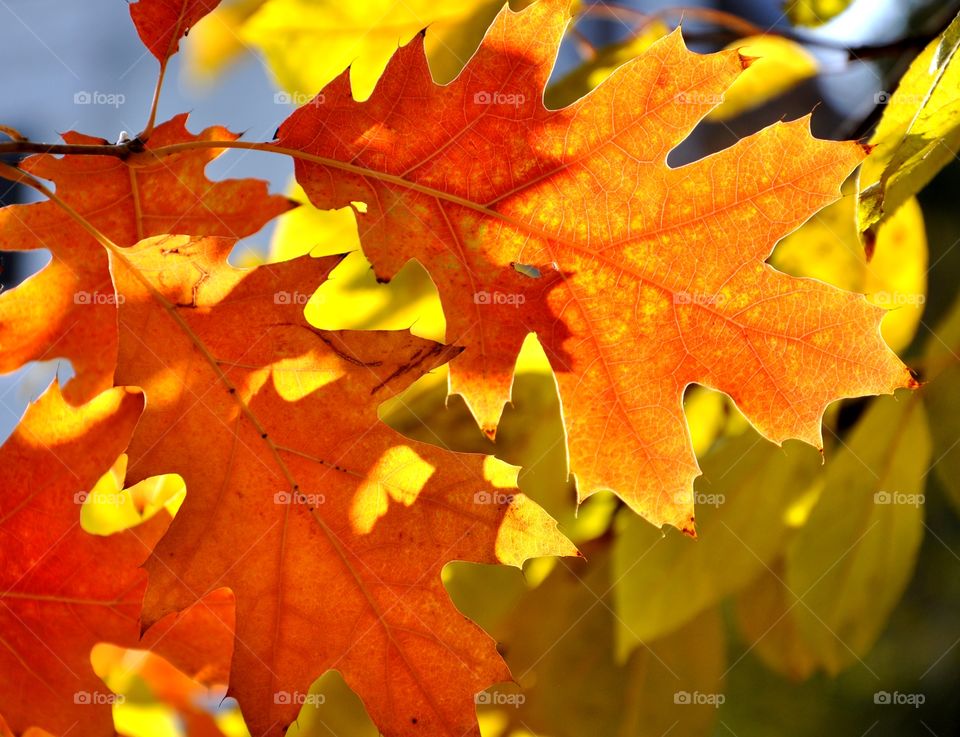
{"type": "Point", "coordinates": [638, 278]}
{"type": "Point", "coordinates": [331, 528]}
{"type": "Point", "coordinates": [200, 641]}
{"type": "Point", "coordinates": [162, 23]}
{"type": "Point", "coordinates": [63, 590]}
{"type": "Point", "coordinates": [68, 309]}
{"type": "Point", "coordinates": [165, 685]}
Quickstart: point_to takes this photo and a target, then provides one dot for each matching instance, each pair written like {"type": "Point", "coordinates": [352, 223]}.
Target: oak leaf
{"type": "Point", "coordinates": [604, 694]}
{"type": "Point", "coordinates": [309, 42]}
{"type": "Point", "coordinates": [69, 308]}
{"type": "Point", "coordinates": [870, 517]}
{"type": "Point", "coordinates": [162, 23]}
{"type": "Point", "coordinates": [638, 279]}
{"type": "Point", "coordinates": [917, 135]}
{"type": "Point", "coordinates": [330, 527]}
{"type": "Point", "coordinates": [63, 590]}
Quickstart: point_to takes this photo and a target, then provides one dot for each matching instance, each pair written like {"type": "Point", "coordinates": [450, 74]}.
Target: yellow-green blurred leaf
{"type": "Point", "coordinates": [743, 500]}
{"type": "Point", "coordinates": [331, 709]}
{"type": "Point", "coordinates": [531, 435]}
{"type": "Point", "coordinates": [109, 508]}
{"type": "Point", "coordinates": [709, 414]}
{"type": "Point", "coordinates": [849, 565]}
{"type": "Point", "coordinates": [214, 42]}
{"type": "Point", "coordinates": [352, 298]}
{"type": "Point", "coordinates": [308, 229]}
{"type": "Point", "coordinates": [942, 400]}
{"type": "Point", "coordinates": [764, 615]}
{"type": "Point", "coordinates": [486, 594]}
{"type": "Point", "coordinates": [814, 12]}
{"type": "Point", "coordinates": [309, 42]}
{"type": "Point", "coordinates": [559, 644]}
{"type": "Point", "coordinates": [779, 65]}
{"type": "Point", "coordinates": [588, 75]}
{"type": "Point", "coordinates": [828, 248]}
{"type": "Point", "coordinates": [918, 134]}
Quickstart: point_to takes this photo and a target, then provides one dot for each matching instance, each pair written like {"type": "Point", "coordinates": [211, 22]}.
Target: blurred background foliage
{"type": "Point", "coordinates": [818, 586]}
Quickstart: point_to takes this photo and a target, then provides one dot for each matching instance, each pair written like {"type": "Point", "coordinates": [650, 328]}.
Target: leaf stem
{"type": "Point", "coordinates": [19, 175]}
{"type": "Point", "coordinates": [152, 120]}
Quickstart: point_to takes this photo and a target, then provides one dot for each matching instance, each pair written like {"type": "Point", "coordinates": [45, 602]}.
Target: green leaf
{"type": "Point", "coordinates": [779, 65]}
{"type": "Point", "coordinates": [918, 134]}
{"type": "Point", "coordinates": [850, 563]}
{"type": "Point", "coordinates": [942, 360]}
{"type": "Point", "coordinates": [309, 42]}
{"type": "Point", "coordinates": [764, 614]}
{"type": "Point", "coordinates": [827, 247]}
{"type": "Point", "coordinates": [743, 504]}
{"type": "Point", "coordinates": [814, 12]}
{"type": "Point", "coordinates": [559, 644]}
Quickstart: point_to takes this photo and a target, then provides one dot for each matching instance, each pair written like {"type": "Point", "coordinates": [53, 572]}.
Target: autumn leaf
{"type": "Point", "coordinates": [894, 277]}
{"type": "Point", "coordinates": [309, 42]}
{"type": "Point", "coordinates": [215, 41]}
{"type": "Point", "coordinates": [814, 12]}
{"type": "Point", "coordinates": [743, 498]}
{"type": "Point", "coordinates": [778, 65]}
{"type": "Point", "coordinates": [64, 590]}
{"type": "Point", "coordinates": [555, 657]}
{"type": "Point", "coordinates": [69, 308]}
{"type": "Point", "coordinates": [637, 278]}
{"type": "Point", "coordinates": [763, 612]}
{"type": "Point", "coordinates": [330, 528]}
{"type": "Point", "coordinates": [162, 23]}
{"type": "Point", "coordinates": [204, 664]}
{"type": "Point", "coordinates": [917, 135]}
{"type": "Point", "coordinates": [851, 562]}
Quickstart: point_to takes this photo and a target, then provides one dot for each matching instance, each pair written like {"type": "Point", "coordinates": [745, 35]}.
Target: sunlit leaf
{"type": "Point", "coordinates": [918, 134]}
{"type": "Point", "coordinates": [777, 66]}
{"type": "Point", "coordinates": [814, 12]}
{"type": "Point", "coordinates": [849, 564]}
{"type": "Point", "coordinates": [828, 248]}
{"type": "Point", "coordinates": [664, 580]}
{"type": "Point", "coordinates": [309, 42]}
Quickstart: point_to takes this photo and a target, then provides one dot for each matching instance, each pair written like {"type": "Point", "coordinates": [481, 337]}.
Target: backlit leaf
{"type": "Point", "coordinates": [69, 309]}
{"type": "Point", "coordinates": [849, 564]}
{"type": "Point", "coordinates": [918, 134]}
{"type": "Point", "coordinates": [652, 278]}
{"type": "Point", "coordinates": [330, 527]}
